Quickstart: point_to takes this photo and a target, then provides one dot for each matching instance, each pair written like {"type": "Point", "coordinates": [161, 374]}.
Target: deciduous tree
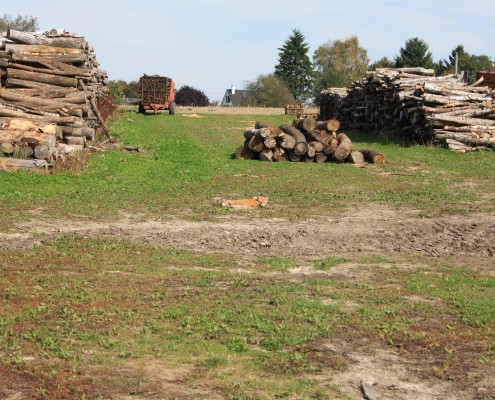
{"type": "Point", "coordinates": [189, 96]}
{"type": "Point", "coordinates": [26, 23]}
{"type": "Point", "coordinates": [267, 91]}
{"type": "Point", "coordinates": [338, 63]}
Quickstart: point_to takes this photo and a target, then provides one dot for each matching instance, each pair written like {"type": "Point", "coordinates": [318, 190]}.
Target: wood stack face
{"type": "Point", "coordinates": [414, 104]}
{"type": "Point", "coordinates": [155, 89]}
{"type": "Point", "coordinates": [50, 84]}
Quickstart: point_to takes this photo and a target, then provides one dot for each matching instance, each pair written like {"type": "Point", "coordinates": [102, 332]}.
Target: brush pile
{"type": "Point", "coordinates": [51, 88]}
{"type": "Point", "coordinates": [305, 140]}
{"type": "Point", "coordinates": [414, 104]}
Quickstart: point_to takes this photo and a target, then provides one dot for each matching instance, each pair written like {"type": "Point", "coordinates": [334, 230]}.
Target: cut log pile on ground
{"type": "Point", "coordinates": [305, 140]}
{"type": "Point", "coordinates": [414, 104]}
{"type": "Point", "coordinates": [51, 86]}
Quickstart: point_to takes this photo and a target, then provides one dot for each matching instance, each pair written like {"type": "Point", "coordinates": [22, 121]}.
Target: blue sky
{"type": "Point", "coordinates": [214, 44]}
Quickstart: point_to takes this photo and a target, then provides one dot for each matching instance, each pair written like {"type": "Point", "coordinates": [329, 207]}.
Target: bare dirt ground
{"type": "Point", "coordinates": [238, 110]}
{"type": "Point", "coordinates": [365, 231]}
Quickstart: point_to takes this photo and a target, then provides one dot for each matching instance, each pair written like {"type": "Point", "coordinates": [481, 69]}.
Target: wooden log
{"type": "Point", "coordinates": [41, 50]}
{"type": "Point", "coordinates": [249, 133]}
{"type": "Point", "coordinates": [330, 125]}
{"type": "Point", "coordinates": [318, 146]}
{"type": "Point", "coordinates": [22, 83]}
{"type": "Point", "coordinates": [31, 38]}
{"type": "Point", "coordinates": [19, 124]}
{"type": "Point", "coordinates": [373, 156]}
{"type": "Point", "coordinates": [75, 140]}
{"type": "Point", "coordinates": [270, 142]}
{"type": "Point", "coordinates": [293, 156]}
{"type": "Point", "coordinates": [321, 158]}
{"type": "Point", "coordinates": [355, 157]}
{"type": "Point", "coordinates": [42, 152]}
{"type": "Point", "coordinates": [301, 146]}
{"type": "Point", "coordinates": [43, 58]}
{"type": "Point", "coordinates": [343, 149]}
{"type": "Point", "coordinates": [311, 152]}
{"type": "Point", "coordinates": [330, 148]}
{"type": "Point", "coordinates": [73, 121]}
{"type": "Point", "coordinates": [45, 104]}
{"type": "Point", "coordinates": [305, 124]}
{"type": "Point", "coordinates": [279, 154]}
{"type": "Point", "coordinates": [42, 77]}
{"type": "Point", "coordinates": [313, 136]}
{"type": "Point", "coordinates": [88, 133]}
{"type": "Point", "coordinates": [266, 155]}
{"type": "Point", "coordinates": [256, 143]}
{"type": "Point", "coordinates": [327, 137]}
{"type": "Point", "coordinates": [460, 120]}
{"type": "Point", "coordinates": [274, 130]}
{"type": "Point", "coordinates": [25, 152]}
{"type": "Point", "coordinates": [286, 141]}
{"type": "Point", "coordinates": [6, 148]}
{"type": "Point", "coordinates": [72, 72]}
{"type": "Point", "coordinates": [16, 163]}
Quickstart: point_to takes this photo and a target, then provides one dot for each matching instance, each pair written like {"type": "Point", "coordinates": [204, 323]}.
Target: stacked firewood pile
{"type": "Point", "coordinates": [330, 103]}
{"type": "Point", "coordinates": [305, 140]}
{"type": "Point", "coordinates": [51, 85]}
{"type": "Point", "coordinates": [414, 104]}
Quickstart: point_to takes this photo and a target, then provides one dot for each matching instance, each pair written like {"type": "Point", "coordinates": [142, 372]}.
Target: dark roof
{"type": "Point", "coordinates": [238, 96]}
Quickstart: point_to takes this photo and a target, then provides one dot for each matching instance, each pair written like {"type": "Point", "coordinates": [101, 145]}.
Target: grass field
{"type": "Point", "coordinates": [100, 316]}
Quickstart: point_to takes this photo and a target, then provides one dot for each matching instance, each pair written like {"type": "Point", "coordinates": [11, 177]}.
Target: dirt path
{"type": "Point", "coordinates": [365, 231]}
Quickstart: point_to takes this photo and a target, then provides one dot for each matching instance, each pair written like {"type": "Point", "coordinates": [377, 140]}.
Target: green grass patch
{"type": "Point", "coordinates": [110, 304]}
{"type": "Point", "coordinates": [189, 161]}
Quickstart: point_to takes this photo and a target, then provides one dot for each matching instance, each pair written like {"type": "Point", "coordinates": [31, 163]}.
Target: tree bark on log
{"type": "Point", "coordinates": [330, 148]}
{"type": "Point", "coordinates": [279, 154]}
{"type": "Point", "coordinates": [19, 124]}
{"type": "Point", "coordinates": [318, 146]}
{"type": "Point", "coordinates": [16, 163]}
{"type": "Point", "coordinates": [33, 39]}
{"type": "Point", "coordinates": [72, 121]}
{"type": "Point", "coordinates": [373, 156]}
{"type": "Point", "coordinates": [331, 125]}
{"type": "Point", "coordinates": [321, 158]}
{"type": "Point", "coordinates": [274, 130]}
{"type": "Point", "coordinates": [356, 157]}
{"type": "Point", "coordinates": [256, 143]}
{"type": "Point", "coordinates": [42, 77]}
{"type": "Point", "coordinates": [301, 146]}
{"type": "Point", "coordinates": [305, 124]}
{"type": "Point", "coordinates": [270, 142]}
{"type": "Point", "coordinates": [244, 152]}
{"type": "Point", "coordinates": [266, 155]}
{"type": "Point", "coordinates": [343, 149]}
{"type": "Point", "coordinates": [286, 141]}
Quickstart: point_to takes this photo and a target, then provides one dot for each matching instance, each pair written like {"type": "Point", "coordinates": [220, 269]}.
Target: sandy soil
{"type": "Point", "coordinates": [366, 231]}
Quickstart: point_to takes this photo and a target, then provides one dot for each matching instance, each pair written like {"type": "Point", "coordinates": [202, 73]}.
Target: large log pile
{"type": "Point", "coordinates": [50, 88]}
{"type": "Point", "coordinates": [413, 103]}
{"type": "Point", "coordinates": [305, 140]}
{"type": "Point", "coordinates": [331, 102]}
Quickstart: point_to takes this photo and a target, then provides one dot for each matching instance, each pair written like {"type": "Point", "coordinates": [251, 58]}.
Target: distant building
{"type": "Point", "coordinates": [488, 78]}
{"type": "Point", "coordinates": [234, 97]}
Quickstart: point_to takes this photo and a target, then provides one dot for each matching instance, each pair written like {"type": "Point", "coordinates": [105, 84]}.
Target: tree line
{"type": "Point", "coordinates": [299, 78]}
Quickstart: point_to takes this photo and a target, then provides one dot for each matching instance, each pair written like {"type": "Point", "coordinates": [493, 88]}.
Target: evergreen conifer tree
{"type": "Point", "coordinates": [295, 67]}
{"type": "Point", "coordinates": [414, 54]}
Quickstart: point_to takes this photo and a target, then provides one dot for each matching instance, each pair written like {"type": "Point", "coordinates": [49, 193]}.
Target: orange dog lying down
{"type": "Point", "coordinates": [254, 202]}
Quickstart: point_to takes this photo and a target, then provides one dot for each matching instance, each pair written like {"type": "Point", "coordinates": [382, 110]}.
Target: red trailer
{"type": "Point", "coordinates": [157, 93]}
